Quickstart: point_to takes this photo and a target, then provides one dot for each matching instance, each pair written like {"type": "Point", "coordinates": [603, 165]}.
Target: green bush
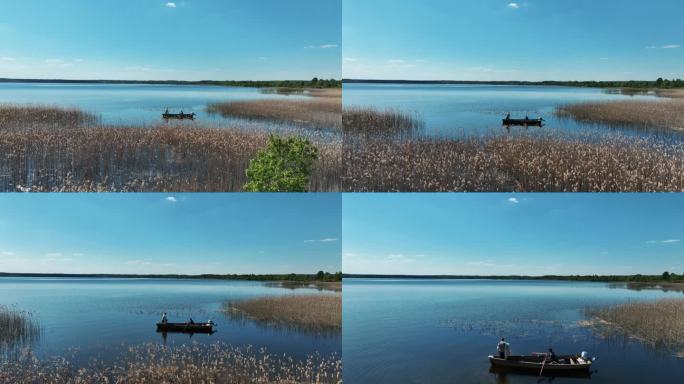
{"type": "Point", "coordinates": [284, 166]}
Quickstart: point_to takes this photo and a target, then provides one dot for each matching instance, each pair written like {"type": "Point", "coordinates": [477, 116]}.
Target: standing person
{"type": "Point", "coordinates": [164, 320]}
{"type": "Point", "coordinates": [503, 348]}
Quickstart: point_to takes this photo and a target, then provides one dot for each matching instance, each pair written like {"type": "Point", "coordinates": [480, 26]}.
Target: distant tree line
{"type": "Point", "coordinates": [636, 84]}
{"type": "Point", "coordinates": [320, 276]}
{"type": "Point", "coordinates": [638, 278]}
{"type": "Point", "coordinates": [313, 83]}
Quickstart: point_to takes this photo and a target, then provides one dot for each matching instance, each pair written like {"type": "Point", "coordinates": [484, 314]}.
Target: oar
{"type": "Point", "coordinates": [543, 364]}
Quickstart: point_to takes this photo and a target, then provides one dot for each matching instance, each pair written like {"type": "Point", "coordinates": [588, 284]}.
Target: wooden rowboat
{"type": "Point", "coordinates": [186, 327]}
{"type": "Point", "coordinates": [178, 116]}
{"type": "Point", "coordinates": [565, 364]}
{"type": "Point", "coordinates": [528, 122]}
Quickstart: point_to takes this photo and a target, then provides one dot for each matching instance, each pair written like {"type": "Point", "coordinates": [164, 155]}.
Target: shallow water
{"type": "Point", "coordinates": [466, 110]}
{"type": "Point", "coordinates": [133, 104]}
{"type": "Point", "coordinates": [97, 316]}
{"type": "Point", "coordinates": [441, 331]}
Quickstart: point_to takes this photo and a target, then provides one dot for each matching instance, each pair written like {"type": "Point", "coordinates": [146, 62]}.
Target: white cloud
{"type": "Point", "coordinates": [669, 241]}
{"type": "Point", "coordinates": [138, 262]}
{"type": "Point", "coordinates": [5, 58]}
{"type": "Point", "coordinates": [399, 258]}
{"type": "Point", "coordinates": [7, 253]}
{"type": "Point", "coordinates": [350, 60]}
{"type": "Point", "coordinates": [53, 61]}
{"type": "Point", "coordinates": [170, 5]}
{"type": "Point", "coordinates": [171, 199]}
{"type": "Point", "coordinates": [513, 5]}
{"type": "Point", "coordinates": [56, 257]}
{"type": "Point", "coordinates": [324, 240]}
{"type": "Point", "coordinates": [396, 61]}
{"type": "Point", "coordinates": [668, 46]}
{"type": "Point", "coordinates": [138, 68]}
{"type": "Point", "coordinates": [324, 46]}
{"type": "Point", "coordinates": [513, 200]}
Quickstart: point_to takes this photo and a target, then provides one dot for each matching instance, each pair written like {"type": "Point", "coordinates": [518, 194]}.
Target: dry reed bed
{"type": "Point", "coordinates": [335, 286]}
{"type": "Point", "coordinates": [304, 312]}
{"type": "Point", "coordinates": [388, 122]}
{"type": "Point", "coordinates": [657, 323]}
{"type": "Point", "coordinates": [141, 159]}
{"type": "Point", "coordinates": [27, 116]}
{"type": "Point", "coordinates": [319, 112]}
{"type": "Point", "coordinates": [16, 327]}
{"type": "Point", "coordinates": [153, 363]}
{"type": "Point", "coordinates": [656, 114]}
{"type": "Point", "coordinates": [545, 163]}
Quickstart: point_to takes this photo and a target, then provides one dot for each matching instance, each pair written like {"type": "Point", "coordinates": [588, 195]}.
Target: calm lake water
{"type": "Point", "coordinates": [441, 331]}
{"type": "Point", "coordinates": [136, 104]}
{"type": "Point", "coordinates": [98, 315]}
{"type": "Point", "coordinates": [463, 110]}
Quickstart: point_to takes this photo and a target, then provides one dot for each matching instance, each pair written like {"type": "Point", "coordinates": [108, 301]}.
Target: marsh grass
{"type": "Point", "coordinates": [55, 155]}
{"type": "Point", "coordinates": [196, 363]}
{"type": "Point", "coordinates": [384, 123]}
{"type": "Point", "coordinates": [519, 162]}
{"type": "Point", "coordinates": [28, 116]}
{"type": "Point", "coordinates": [318, 112]}
{"type": "Point", "coordinates": [320, 312]}
{"type": "Point", "coordinates": [16, 327]}
{"type": "Point", "coordinates": [334, 286]}
{"type": "Point", "coordinates": [643, 114]}
{"type": "Point", "coordinates": [658, 323]}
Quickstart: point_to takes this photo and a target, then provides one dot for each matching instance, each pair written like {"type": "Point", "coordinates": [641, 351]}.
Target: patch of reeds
{"type": "Point", "coordinates": [303, 312]}
{"type": "Point", "coordinates": [16, 327]}
{"type": "Point", "coordinates": [657, 323]}
{"type": "Point", "coordinates": [374, 122]}
{"type": "Point", "coordinates": [335, 286]}
{"type": "Point", "coordinates": [520, 162]}
{"type": "Point", "coordinates": [29, 116]}
{"type": "Point", "coordinates": [671, 93]}
{"type": "Point", "coordinates": [65, 157]}
{"type": "Point", "coordinates": [644, 114]}
{"type": "Point", "coordinates": [320, 112]}
{"type": "Point", "coordinates": [195, 363]}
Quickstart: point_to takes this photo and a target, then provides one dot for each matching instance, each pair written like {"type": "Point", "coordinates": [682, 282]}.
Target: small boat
{"type": "Point", "coordinates": [538, 363]}
{"type": "Point", "coordinates": [527, 122]}
{"type": "Point", "coordinates": [178, 116]}
{"type": "Point", "coordinates": [186, 327]}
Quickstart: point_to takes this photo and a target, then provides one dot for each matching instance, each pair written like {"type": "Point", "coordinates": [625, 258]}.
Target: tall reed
{"type": "Point", "coordinates": [16, 327]}
{"type": "Point", "coordinates": [59, 155]}
{"type": "Point", "coordinates": [319, 312]}
{"type": "Point", "coordinates": [519, 162]}
{"type": "Point", "coordinates": [374, 122]}
{"type": "Point", "coordinates": [655, 114]}
{"type": "Point", "coordinates": [194, 363]}
{"type": "Point", "coordinates": [658, 323]}
{"type": "Point", "coordinates": [321, 112]}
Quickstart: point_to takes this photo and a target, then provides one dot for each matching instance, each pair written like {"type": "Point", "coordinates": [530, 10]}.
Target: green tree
{"type": "Point", "coordinates": [666, 275]}
{"type": "Point", "coordinates": [284, 166]}
{"type": "Point", "coordinates": [659, 82]}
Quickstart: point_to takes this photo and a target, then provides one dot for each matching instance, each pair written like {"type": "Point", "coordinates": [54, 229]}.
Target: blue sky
{"type": "Point", "coordinates": [181, 40]}
{"type": "Point", "coordinates": [158, 233]}
{"type": "Point", "coordinates": [497, 234]}
{"type": "Point", "coordinates": [513, 40]}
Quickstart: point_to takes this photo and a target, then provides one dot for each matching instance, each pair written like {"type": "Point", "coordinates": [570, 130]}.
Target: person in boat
{"type": "Point", "coordinates": [551, 356]}
{"type": "Point", "coordinates": [164, 320]}
{"type": "Point", "coordinates": [166, 112]}
{"type": "Point", "coordinates": [503, 348]}
{"type": "Point", "coordinates": [508, 116]}
{"type": "Point", "coordinates": [191, 321]}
